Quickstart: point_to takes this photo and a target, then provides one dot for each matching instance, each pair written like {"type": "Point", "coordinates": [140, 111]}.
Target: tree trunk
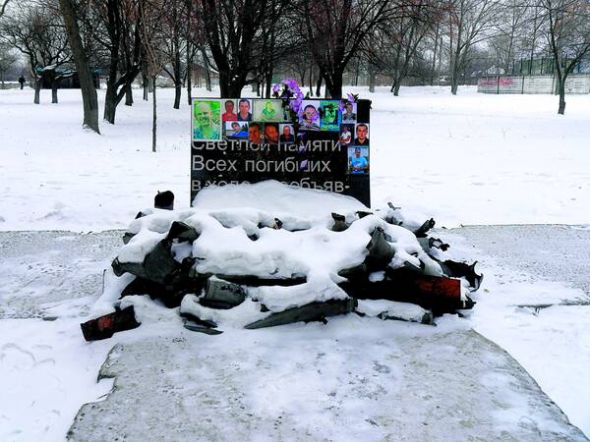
{"type": "Point", "coordinates": [54, 92]}
{"type": "Point", "coordinates": [208, 79]}
{"type": "Point", "coordinates": [189, 77]}
{"type": "Point", "coordinates": [231, 84]}
{"type": "Point", "coordinates": [177, 95]}
{"type": "Point", "coordinates": [561, 89]}
{"type": "Point", "coordinates": [318, 87]}
{"type": "Point", "coordinates": [146, 84]}
{"type": "Point", "coordinates": [154, 119]}
{"type": "Point", "coordinates": [110, 100]}
{"type": "Point", "coordinates": [372, 79]}
{"type": "Point", "coordinates": [452, 60]}
{"type": "Point", "coordinates": [110, 103]}
{"type": "Point", "coordinates": [208, 74]}
{"type": "Point", "coordinates": [269, 81]}
{"type": "Point", "coordinates": [434, 54]}
{"type": "Point", "coordinates": [128, 95]}
{"type": "Point", "coordinates": [177, 80]}
{"type": "Point", "coordinates": [334, 84]}
{"type": "Point", "coordinates": [398, 84]}
{"type": "Point", "coordinates": [223, 84]}
{"type": "Point", "coordinates": [89, 98]}
{"type": "Point", "coordinates": [38, 86]}
{"type": "Point", "coordinates": [454, 85]}
{"type": "Point", "coordinates": [455, 76]}
{"type": "Point", "coordinates": [189, 56]}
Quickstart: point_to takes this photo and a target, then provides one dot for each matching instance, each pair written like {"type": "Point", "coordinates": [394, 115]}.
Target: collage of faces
{"type": "Point", "coordinates": [263, 121]}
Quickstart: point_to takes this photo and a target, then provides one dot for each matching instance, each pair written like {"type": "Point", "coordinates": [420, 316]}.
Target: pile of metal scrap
{"type": "Point", "coordinates": [176, 282]}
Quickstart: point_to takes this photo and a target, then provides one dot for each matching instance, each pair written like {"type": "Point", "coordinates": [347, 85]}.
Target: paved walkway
{"type": "Point", "coordinates": [354, 379]}
{"type": "Point", "coordinates": [546, 252]}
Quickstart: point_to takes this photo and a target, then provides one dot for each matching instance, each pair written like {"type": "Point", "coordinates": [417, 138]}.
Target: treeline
{"type": "Point", "coordinates": [319, 42]}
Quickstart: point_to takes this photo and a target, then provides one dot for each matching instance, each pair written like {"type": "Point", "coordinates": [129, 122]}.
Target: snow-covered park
{"type": "Point", "coordinates": [466, 160]}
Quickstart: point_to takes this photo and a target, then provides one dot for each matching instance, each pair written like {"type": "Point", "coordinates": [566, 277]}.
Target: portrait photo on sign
{"type": "Point", "coordinates": [271, 133]}
{"type": "Point", "coordinates": [346, 134]}
{"type": "Point", "coordinates": [256, 133]}
{"type": "Point", "coordinates": [206, 121]}
{"type": "Point", "coordinates": [244, 109]}
{"type": "Point", "coordinates": [361, 135]}
{"type": "Point", "coordinates": [358, 160]}
{"type": "Point", "coordinates": [330, 115]}
{"type": "Point", "coordinates": [229, 111]}
{"type": "Point", "coordinates": [235, 129]}
{"type": "Point", "coordinates": [268, 110]}
{"type": "Point", "coordinates": [287, 133]}
{"type": "Point", "coordinates": [349, 113]}
{"type": "Point", "coordinates": [309, 117]}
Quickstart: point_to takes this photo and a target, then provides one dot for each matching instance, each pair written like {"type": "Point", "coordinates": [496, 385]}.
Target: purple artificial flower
{"type": "Point", "coordinates": [296, 103]}
{"type": "Point", "coordinates": [291, 92]}
{"type": "Point", "coordinates": [291, 83]}
{"type": "Point", "coordinates": [350, 98]}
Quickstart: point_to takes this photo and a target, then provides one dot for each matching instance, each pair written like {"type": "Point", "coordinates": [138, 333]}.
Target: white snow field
{"type": "Point", "coordinates": [470, 159]}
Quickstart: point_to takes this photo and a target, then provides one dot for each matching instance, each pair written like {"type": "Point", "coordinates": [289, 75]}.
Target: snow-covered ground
{"type": "Point", "coordinates": [471, 159]}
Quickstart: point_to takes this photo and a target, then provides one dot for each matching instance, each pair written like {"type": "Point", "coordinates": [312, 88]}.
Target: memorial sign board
{"type": "Point", "coordinates": [247, 140]}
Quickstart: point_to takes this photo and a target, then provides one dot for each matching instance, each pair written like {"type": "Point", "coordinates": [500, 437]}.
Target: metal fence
{"type": "Point", "coordinates": [541, 84]}
{"type": "Point", "coordinates": [546, 66]}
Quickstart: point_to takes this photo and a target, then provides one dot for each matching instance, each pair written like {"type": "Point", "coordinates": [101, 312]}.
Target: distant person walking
{"type": "Point", "coordinates": [21, 80]}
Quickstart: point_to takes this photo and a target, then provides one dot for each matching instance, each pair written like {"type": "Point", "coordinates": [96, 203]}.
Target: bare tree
{"type": "Point", "coordinates": [38, 32]}
{"type": "Point", "coordinates": [3, 5]}
{"type": "Point", "coordinates": [532, 33]}
{"type": "Point", "coordinates": [152, 41]}
{"type": "Point", "coordinates": [278, 42]}
{"type": "Point", "coordinates": [232, 28]}
{"type": "Point", "coordinates": [568, 38]}
{"type": "Point", "coordinates": [335, 30]}
{"type": "Point", "coordinates": [299, 63]}
{"type": "Point", "coordinates": [115, 26]}
{"type": "Point", "coordinates": [89, 98]}
{"type": "Point", "coordinates": [395, 46]}
{"type": "Point", "coordinates": [469, 23]}
{"type": "Point", "coordinates": [507, 42]}
{"type": "Point", "coordinates": [7, 59]}
{"type": "Point", "coordinates": [174, 20]}
{"type": "Point", "coordinates": [194, 38]}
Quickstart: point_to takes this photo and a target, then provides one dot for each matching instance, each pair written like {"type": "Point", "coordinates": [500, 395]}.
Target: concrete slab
{"type": "Point", "coordinates": [307, 383]}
